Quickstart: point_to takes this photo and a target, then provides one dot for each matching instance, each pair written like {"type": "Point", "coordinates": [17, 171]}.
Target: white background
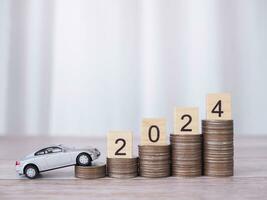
{"type": "Point", "coordinates": [83, 67]}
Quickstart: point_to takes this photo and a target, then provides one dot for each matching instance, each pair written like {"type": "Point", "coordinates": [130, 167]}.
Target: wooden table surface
{"type": "Point", "coordinates": [249, 181]}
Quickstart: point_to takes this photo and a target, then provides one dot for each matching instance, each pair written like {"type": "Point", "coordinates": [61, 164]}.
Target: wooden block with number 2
{"type": "Point", "coordinates": [218, 106]}
{"type": "Point", "coordinates": [120, 144]}
{"type": "Point", "coordinates": [186, 121]}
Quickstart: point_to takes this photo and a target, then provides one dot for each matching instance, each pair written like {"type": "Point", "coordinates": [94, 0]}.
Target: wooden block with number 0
{"type": "Point", "coordinates": [153, 132]}
{"type": "Point", "coordinates": [186, 120]}
{"type": "Point", "coordinates": [120, 144]}
{"type": "Point", "coordinates": [219, 106]}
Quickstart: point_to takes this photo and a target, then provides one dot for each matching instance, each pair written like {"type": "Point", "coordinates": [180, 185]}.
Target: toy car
{"type": "Point", "coordinates": [55, 157]}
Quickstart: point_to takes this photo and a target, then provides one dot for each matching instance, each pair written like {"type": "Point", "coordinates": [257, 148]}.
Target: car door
{"type": "Point", "coordinates": [40, 160]}
{"type": "Point", "coordinates": [56, 157]}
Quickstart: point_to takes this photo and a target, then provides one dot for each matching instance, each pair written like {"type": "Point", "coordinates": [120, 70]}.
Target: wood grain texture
{"type": "Point", "coordinates": [249, 181]}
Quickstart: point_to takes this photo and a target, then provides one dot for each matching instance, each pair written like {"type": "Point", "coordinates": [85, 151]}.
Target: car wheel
{"type": "Point", "coordinates": [31, 171]}
{"type": "Point", "coordinates": [84, 159]}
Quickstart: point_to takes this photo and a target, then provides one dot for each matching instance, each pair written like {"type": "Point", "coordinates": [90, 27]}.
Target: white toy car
{"type": "Point", "coordinates": [54, 157]}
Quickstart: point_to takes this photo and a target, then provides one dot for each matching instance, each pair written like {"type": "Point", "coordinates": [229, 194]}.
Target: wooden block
{"type": "Point", "coordinates": [186, 121]}
{"type": "Point", "coordinates": [218, 106]}
{"type": "Point", "coordinates": [120, 144]}
{"type": "Point", "coordinates": [153, 132]}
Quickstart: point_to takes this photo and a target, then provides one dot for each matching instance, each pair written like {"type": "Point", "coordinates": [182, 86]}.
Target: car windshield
{"type": "Point", "coordinates": [64, 147]}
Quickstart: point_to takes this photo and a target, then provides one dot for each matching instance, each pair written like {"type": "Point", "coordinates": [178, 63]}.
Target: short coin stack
{"type": "Point", "coordinates": [186, 154]}
{"type": "Point", "coordinates": [154, 161]}
{"type": "Point", "coordinates": [122, 167]}
{"type": "Point", "coordinates": [218, 147]}
{"type": "Point", "coordinates": [97, 170]}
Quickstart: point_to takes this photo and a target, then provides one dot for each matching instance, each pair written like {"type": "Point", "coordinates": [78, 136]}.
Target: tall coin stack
{"type": "Point", "coordinates": [154, 161]}
{"type": "Point", "coordinates": [218, 147]}
{"type": "Point", "coordinates": [186, 154]}
{"type": "Point", "coordinates": [122, 167]}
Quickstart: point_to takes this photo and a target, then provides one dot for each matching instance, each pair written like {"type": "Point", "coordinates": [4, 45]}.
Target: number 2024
{"type": "Point", "coordinates": [217, 109]}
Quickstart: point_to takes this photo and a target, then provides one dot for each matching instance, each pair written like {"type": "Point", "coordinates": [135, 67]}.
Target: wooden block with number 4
{"type": "Point", "coordinates": [120, 144]}
{"type": "Point", "coordinates": [218, 106]}
{"type": "Point", "coordinates": [153, 132]}
{"type": "Point", "coordinates": [186, 120]}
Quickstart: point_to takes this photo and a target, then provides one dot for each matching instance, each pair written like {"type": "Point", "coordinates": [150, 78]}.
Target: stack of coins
{"type": "Point", "coordinates": [186, 154]}
{"type": "Point", "coordinates": [96, 170]}
{"type": "Point", "coordinates": [122, 167]}
{"type": "Point", "coordinates": [154, 161]}
{"type": "Point", "coordinates": [218, 147]}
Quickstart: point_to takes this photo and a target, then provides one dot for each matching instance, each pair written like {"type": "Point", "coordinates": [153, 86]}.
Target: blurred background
{"type": "Point", "coordinates": [84, 67]}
